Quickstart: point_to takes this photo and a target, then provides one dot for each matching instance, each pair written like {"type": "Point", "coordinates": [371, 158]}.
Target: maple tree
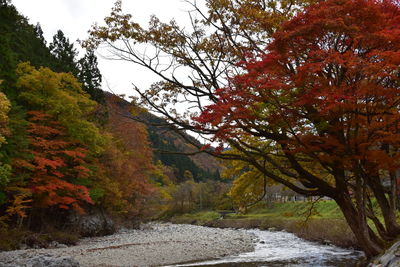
{"type": "Point", "coordinates": [193, 61]}
{"type": "Point", "coordinates": [315, 111]}
{"type": "Point", "coordinates": [324, 101]}
{"type": "Point", "coordinates": [57, 165]}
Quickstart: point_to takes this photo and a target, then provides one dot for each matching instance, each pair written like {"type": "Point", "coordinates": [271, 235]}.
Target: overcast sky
{"type": "Point", "coordinates": [74, 18]}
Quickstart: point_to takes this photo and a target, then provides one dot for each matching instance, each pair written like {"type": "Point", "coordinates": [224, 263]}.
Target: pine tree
{"type": "Point", "coordinates": [39, 33]}
{"type": "Point", "coordinates": [90, 77]}
{"type": "Point", "coordinates": [65, 54]}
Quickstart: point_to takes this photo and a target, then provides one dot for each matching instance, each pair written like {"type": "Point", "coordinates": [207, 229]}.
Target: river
{"type": "Point", "coordinates": [276, 249]}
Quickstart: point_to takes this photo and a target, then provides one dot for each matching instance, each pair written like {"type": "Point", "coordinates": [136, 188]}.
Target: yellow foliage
{"type": "Point", "coordinates": [60, 95]}
{"type": "Point", "coordinates": [4, 109]}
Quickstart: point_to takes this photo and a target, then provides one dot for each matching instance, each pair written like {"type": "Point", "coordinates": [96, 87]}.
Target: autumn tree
{"type": "Point", "coordinates": [60, 95]}
{"type": "Point", "coordinates": [128, 160]}
{"type": "Point", "coordinates": [325, 102]}
{"type": "Point", "coordinates": [4, 109]}
{"type": "Point", "coordinates": [316, 111]}
{"type": "Point", "coordinates": [191, 61]}
{"type": "Point", "coordinates": [57, 167]}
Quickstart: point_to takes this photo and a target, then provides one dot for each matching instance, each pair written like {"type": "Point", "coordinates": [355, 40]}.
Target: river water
{"type": "Point", "coordinates": [276, 249]}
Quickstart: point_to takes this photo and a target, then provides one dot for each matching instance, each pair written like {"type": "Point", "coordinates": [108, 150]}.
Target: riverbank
{"type": "Point", "coordinates": [325, 223]}
{"type": "Point", "coordinates": [153, 245]}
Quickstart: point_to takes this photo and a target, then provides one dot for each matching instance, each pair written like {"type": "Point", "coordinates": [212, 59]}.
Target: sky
{"type": "Point", "coordinates": [75, 17]}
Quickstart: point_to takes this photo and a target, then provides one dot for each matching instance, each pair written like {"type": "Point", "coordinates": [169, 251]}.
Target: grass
{"type": "Point", "coordinates": [195, 217]}
{"type": "Point", "coordinates": [325, 223]}
{"type": "Point", "coordinates": [326, 209]}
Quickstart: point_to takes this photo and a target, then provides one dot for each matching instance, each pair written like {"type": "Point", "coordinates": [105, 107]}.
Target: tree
{"type": "Point", "coordinates": [127, 161]}
{"type": "Point", "coordinates": [192, 63]}
{"type": "Point", "coordinates": [57, 166]}
{"type": "Point", "coordinates": [90, 77]}
{"type": "Point", "coordinates": [5, 106]}
{"type": "Point", "coordinates": [19, 42]}
{"type": "Point", "coordinates": [316, 111]}
{"type": "Point", "coordinates": [325, 101]}
{"type": "Point", "coordinates": [65, 54]}
{"type": "Point", "coordinates": [61, 96]}
{"type": "Point", "coordinates": [5, 169]}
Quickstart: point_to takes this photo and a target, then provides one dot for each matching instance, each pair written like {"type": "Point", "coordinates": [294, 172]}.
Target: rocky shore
{"type": "Point", "coordinates": [153, 245]}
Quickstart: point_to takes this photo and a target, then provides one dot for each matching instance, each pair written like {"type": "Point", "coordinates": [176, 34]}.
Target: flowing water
{"type": "Point", "coordinates": [276, 249]}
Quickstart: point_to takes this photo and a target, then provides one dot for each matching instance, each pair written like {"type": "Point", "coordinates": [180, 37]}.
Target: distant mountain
{"type": "Point", "coordinates": [202, 166]}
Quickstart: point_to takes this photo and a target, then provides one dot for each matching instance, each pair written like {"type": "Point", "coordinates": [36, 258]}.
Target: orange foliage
{"type": "Point", "coordinates": [129, 162]}
{"type": "Point", "coordinates": [57, 162]}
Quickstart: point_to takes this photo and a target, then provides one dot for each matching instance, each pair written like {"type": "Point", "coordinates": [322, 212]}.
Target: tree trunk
{"type": "Point", "coordinates": [388, 211]}
{"type": "Point", "coordinates": [366, 238]}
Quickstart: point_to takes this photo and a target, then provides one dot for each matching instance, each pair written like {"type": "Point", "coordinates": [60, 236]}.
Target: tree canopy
{"type": "Point", "coordinates": [310, 102]}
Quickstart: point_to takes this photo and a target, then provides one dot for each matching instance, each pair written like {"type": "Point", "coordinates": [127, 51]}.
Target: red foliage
{"type": "Point", "coordinates": [56, 163]}
{"type": "Point", "coordinates": [328, 86]}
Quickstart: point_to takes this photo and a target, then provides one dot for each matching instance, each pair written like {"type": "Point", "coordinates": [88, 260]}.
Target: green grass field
{"type": "Point", "coordinates": [325, 224]}
{"type": "Point", "coordinates": [326, 209]}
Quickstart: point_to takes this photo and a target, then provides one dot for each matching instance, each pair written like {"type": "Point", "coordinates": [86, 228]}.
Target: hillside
{"type": "Point", "coordinates": [202, 166]}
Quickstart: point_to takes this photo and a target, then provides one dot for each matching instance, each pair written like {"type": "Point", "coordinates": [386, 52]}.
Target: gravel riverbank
{"type": "Point", "coordinates": [154, 245]}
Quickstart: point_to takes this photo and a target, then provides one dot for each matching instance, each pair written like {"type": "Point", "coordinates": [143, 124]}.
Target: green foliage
{"type": "Point", "coordinates": [182, 163]}
{"type": "Point", "coordinates": [19, 41]}
{"type": "Point", "coordinates": [90, 77]}
{"type": "Point", "coordinates": [296, 210]}
{"type": "Point", "coordinates": [96, 194]}
{"type": "Point", "coordinates": [60, 95]}
{"type": "Point", "coordinates": [5, 173]}
{"type": "Point", "coordinates": [65, 54]}
{"type": "Point", "coordinates": [4, 109]}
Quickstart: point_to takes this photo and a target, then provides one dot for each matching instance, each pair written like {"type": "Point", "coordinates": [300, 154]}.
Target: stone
{"type": "Point", "coordinates": [390, 258]}
{"type": "Point", "coordinates": [95, 223]}
{"type": "Point", "coordinates": [43, 261]}
{"type": "Point", "coordinates": [46, 261]}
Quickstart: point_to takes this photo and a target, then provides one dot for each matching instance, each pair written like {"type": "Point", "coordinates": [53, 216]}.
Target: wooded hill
{"type": "Point", "coordinates": [166, 143]}
{"type": "Point", "coordinates": [67, 148]}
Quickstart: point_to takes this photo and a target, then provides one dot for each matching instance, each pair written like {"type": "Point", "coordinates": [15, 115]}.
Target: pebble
{"type": "Point", "coordinates": [157, 244]}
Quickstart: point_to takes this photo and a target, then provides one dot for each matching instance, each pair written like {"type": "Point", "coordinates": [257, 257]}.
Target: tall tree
{"type": "Point", "coordinates": [57, 165]}
{"type": "Point", "coordinates": [325, 101]}
{"type": "Point", "coordinates": [90, 77]}
{"type": "Point", "coordinates": [316, 111]}
{"type": "Point", "coordinates": [192, 61]}
{"type": "Point", "coordinates": [19, 42]}
{"type": "Point", "coordinates": [65, 54]}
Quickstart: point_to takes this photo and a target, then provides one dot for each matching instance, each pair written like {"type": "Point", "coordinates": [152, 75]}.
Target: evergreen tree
{"type": "Point", "coordinates": [39, 33]}
{"type": "Point", "coordinates": [90, 77]}
{"type": "Point", "coordinates": [65, 54]}
{"type": "Point", "coordinates": [19, 42]}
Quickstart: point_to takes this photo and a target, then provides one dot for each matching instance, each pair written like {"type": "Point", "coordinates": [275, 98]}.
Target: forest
{"type": "Point", "coordinates": [69, 149]}
{"type": "Point", "coordinates": [296, 98]}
